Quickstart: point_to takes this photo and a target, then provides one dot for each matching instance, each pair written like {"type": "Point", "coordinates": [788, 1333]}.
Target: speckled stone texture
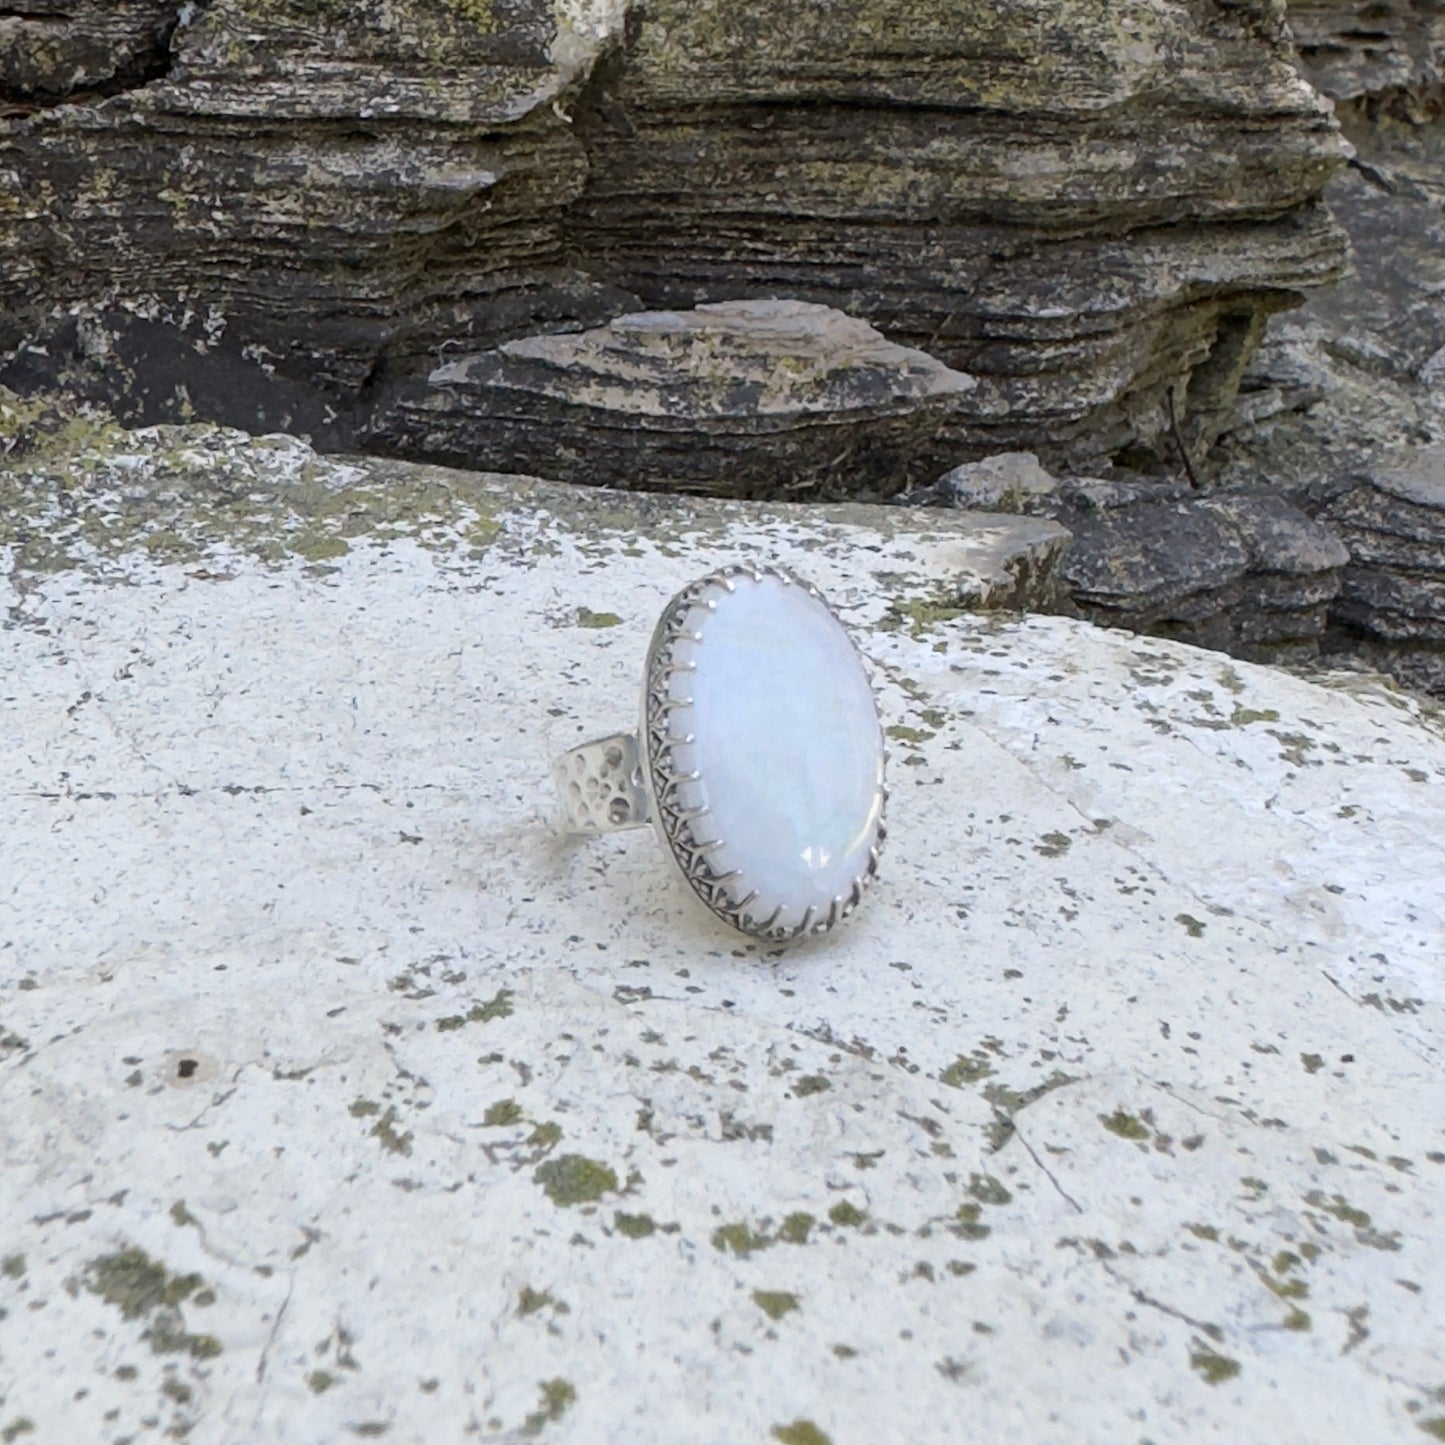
{"type": "Point", "coordinates": [770, 398]}
{"type": "Point", "coordinates": [265, 211]}
{"type": "Point", "coordinates": [341, 1097]}
{"type": "Point", "coordinates": [305, 189]}
{"type": "Point", "coordinates": [1353, 49]}
{"type": "Point", "coordinates": [1080, 204]}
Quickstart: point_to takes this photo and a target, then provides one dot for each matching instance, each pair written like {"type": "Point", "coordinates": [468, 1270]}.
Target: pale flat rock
{"type": "Point", "coordinates": [342, 1097]}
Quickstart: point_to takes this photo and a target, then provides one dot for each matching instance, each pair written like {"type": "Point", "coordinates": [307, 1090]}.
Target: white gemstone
{"type": "Point", "coordinates": [786, 744]}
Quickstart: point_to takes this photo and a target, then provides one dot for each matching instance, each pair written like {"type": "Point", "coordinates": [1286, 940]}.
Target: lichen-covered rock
{"type": "Point", "coordinates": [1005, 482]}
{"type": "Point", "coordinates": [342, 1098]}
{"type": "Point", "coordinates": [50, 49]}
{"type": "Point", "coordinates": [269, 210]}
{"type": "Point", "coordinates": [1357, 48]}
{"type": "Point", "coordinates": [1082, 205]}
{"type": "Point", "coordinates": [1244, 571]}
{"type": "Point", "coordinates": [741, 398]}
{"type": "Point", "coordinates": [319, 190]}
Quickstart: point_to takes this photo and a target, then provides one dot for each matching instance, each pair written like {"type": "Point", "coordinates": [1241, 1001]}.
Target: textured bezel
{"type": "Point", "coordinates": [677, 824]}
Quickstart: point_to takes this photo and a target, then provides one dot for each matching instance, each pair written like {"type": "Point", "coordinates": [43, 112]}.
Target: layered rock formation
{"type": "Point", "coordinates": [54, 49]}
{"type": "Point", "coordinates": [741, 398]}
{"type": "Point", "coordinates": [304, 191]}
{"type": "Point", "coordinates": [266, 209]}
{"type": "Point", "coordinates": [1361, 49]}
{"type": "Point", "coordinates": [1393, 597]}
{"type": "Point", "coordinates": [1343, 408]}
{"type": "Point", "coordinates": [1242, 570]}
{"type": "Point", "coordinates": [1081, 205]}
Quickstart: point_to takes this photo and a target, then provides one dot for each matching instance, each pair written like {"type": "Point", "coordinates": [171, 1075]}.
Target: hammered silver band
{"type": "Point", "coordinates": [603, 785]}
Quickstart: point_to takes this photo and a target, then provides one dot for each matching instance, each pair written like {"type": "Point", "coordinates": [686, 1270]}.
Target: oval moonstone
{"type": "Point", "coordinates": [767, 702]}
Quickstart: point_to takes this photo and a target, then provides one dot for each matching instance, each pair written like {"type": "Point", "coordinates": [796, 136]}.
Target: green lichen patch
{"type": "Point", "coordinates": [1340, 1207]}
{"type": "Point", "coordinates": [920, 615]}
{"type": "Point", "coordinates": [801, 1432]}
{"type": "Point", "coordinates": [361, 1108]}
{"type": "Point", "coordinates": [1312, 1063]}
{"type": "Point", "coordinates": [775, 1303]}
{"type": "Point", "coordinates": [1193, 926]}
{"type": "Point", "coordinates": [740, 1239]}
{"type": "Point", "coordinates": [1434, 1427]}
{"type": "Point", "coordinates": [1204, 1231]}
{"type": "Point", "coordinates": [392, 1140]}
{"type": "Point", "coordinates": [502, 1114]}
{"type": "Point", "coordinates": [547, 1135]}
{"type": "Point", "coordinates": [136, 1284]}
{"type": "Point", "coordinates": [970, 1225]}
{"type": "Point", "coordinates": [796, 1227]}
{"type": "Point", "coordinates": [634, 1226]}
{"type": "Point", "coordinates": [988, 1190]}
{"type": "Point", "coordinates": [586, 617]}
{"type": "Point", "coordinates": [811, 1084]}
{"type": "Point", "coordinates": [970, 1069]}
{"type": "Point", "coordinates": [12, 1266]}
{"type": "Point", "coordinates": [474, 12]}
{"type": "Point", "coordinates": [558, 1396]}
{"type": "Point", "coordinates": [18, 1427]}
{"type": "Point", "coordinates": [1242, 717]}
{"type": "Point", "coordinates": [142, 1288]}
{"type": "Point", "coordinates": [320, 1381]}
{"type": "Point", "coordinates": [530, 1301]}
{"type": "Point", "coordinates": [1211, 1365]}
{"type": "Point", "coordinates": [846, 1215]}
{"type": "Point", "coordinates": [1125, 1125]}
{"type": "Point", "coordinates": [167, 1335]}
{"type": "Point", "coordinates": [573, 1179]}
{"type": "Point", "coordinates": [905, 734]}
{"type": "Point", "coordinates": [499, 1006]}
{"type": "Point", "coordinates": [1053, 845]}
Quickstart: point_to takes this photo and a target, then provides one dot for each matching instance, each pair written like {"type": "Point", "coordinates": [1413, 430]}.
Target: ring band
{"type": "Point", "coordinates": [759, 761]}
{"type": "Point", "coordinates": [603, 785]}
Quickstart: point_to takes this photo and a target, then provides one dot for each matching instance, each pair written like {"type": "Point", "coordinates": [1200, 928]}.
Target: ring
{"type": "Point", "coordinates": [759, 760]}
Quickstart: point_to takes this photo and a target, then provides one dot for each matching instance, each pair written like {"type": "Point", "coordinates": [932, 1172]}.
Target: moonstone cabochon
{"type": "Point", "coordinates": [765, 753]}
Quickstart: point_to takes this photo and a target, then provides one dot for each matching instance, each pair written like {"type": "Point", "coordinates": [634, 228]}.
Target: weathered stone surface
{"type": "Point", "coordinates": [1245, 571]}
{"type": "Point", "coordinates": [50, 49]}
{"type": "Point", "coordinates": [1082, 205]}
{"type": "Point", "coordinates": [319, 190]}
{"type": "Point", "coordinates": [342, 1099]}
{"type": "Point", "coordinates": [1354, 49]}
{"type": "Point", "coordinates": [1006, 482]}
{"type": "Point", "coordinates": [740, 398]}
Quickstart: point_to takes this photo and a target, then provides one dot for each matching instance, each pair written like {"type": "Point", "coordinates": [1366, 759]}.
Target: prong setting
{"type": "Point", "coordinates": [683, 815]}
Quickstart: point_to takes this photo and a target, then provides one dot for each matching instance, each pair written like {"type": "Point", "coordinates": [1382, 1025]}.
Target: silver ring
{"type": "Point", "coordinates": [759, 760]}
